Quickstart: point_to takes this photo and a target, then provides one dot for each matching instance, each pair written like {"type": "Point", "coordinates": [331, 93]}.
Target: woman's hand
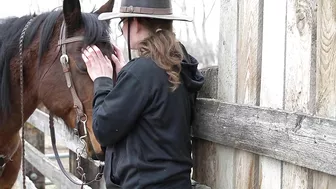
{"type": "Point", "coordinates": [97, 64]}
{"type": "Point", "coordinates": [118, 59]}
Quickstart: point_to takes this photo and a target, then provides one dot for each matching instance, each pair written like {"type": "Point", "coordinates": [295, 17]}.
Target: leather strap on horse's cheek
{"type": "Point", "coordinates": [78, 124]}
{"type": "Point", "coordinates": [70, 40]}
{"type": "Point", "coordinates": [66, 69]}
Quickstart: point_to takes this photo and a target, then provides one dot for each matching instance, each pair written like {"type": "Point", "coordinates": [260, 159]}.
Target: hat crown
{"type": "Point", "coordinates": [159, 4]}
{"type": "Point", "coordinates": [159, 9]}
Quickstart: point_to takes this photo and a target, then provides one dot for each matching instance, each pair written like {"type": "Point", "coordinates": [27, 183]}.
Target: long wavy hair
{"type": "Point", "coordinates": [162, 47]}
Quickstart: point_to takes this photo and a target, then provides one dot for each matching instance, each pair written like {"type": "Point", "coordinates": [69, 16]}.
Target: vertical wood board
{"type": "Point", "coordinates": [326, 75]}
{"type": "Point", "coordinates": [248, 83]}
{"type": "Point", "coordinates": [217, 169]}
{"type": "Point", "coordinates": [272, 80]}
{"type": "Point", "coordinates": [299, 88]}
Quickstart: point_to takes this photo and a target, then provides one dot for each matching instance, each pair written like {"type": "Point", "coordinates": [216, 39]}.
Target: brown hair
{"type": "Point", "coordinates": [161, 46]}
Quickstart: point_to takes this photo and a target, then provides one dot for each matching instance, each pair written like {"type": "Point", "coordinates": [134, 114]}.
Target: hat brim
{"type": "Point", "coordinates": [113, 15]}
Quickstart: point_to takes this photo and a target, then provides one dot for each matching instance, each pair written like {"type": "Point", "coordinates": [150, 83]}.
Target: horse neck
{"type": "Point", "coordinates": [31, 77]}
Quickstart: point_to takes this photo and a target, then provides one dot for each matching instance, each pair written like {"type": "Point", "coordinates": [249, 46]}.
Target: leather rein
{"type": "Point", "coordinates": [81, 117]}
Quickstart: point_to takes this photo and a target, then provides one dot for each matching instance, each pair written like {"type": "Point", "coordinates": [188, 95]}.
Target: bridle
{"type": "Point", "coordinates": [81, 117]}
{"type": "Point", "coordinates": [64, 60]}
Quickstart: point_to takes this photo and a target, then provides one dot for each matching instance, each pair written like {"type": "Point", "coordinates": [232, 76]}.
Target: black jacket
{"type": "Point", "coordinates": [145, 127]}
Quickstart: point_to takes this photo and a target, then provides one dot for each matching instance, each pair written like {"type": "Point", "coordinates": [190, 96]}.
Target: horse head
{"type": "Point", "coordinates": [65, 87]}
{"type": "Point", "coordinates": [43, 52]}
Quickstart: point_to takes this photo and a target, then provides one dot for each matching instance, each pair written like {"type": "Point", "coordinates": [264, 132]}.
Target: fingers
{"type": "Point", "coordinates": [87, 57]}
{"type": "Point", "coordinates": [97, 64]}
{"type": "Point", "coordinates": [98, 52]}
{"type": "Point", "coordinates": [86, 60]}
{"type": "Point", "coordinates": [107, 58]}
{"type": "Point", "coordinates": [119, 53]}
{"type": "Point", "coordinates": [115, 59]}
{"type": "Point", "coordinates": [117, 49]}
{"type": "Point", "coordinates": [94, 54]}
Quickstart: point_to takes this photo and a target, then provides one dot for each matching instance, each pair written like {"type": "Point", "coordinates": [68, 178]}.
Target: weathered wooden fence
{"type": "Point", "coordinates": [40, 120]}
{"type": "Point", "coordinates": [44, 164]}
{"type": "Point", "coordinates": [266, 119]}
{"type": "Point", "coordinates": [266, 116]}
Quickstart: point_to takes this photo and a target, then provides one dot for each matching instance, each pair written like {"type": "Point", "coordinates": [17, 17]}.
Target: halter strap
{"type": "Point", "coordinates": [70, 40]}
{"type": "Point", "coordinates": [64, 59]}
{"type": "Point", "coordinates": [81, 116]}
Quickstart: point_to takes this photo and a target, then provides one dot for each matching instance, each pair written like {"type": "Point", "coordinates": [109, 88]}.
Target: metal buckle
{"type": "Point", "coordinates": [130, 9]}
{"type": "Point", "coordinates": [83, 119]}
{"type": "Point", "coordinates": [64, 59]}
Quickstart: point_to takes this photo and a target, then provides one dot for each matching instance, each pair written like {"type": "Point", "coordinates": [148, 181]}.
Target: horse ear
{"type": "Point", "coordinates": [72, 14]}
{"type": "Point", "coordinates": [107, 7]}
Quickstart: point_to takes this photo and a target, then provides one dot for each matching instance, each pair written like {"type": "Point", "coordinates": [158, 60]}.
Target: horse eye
{"type": "Point", "coordinates": [81, 67]}
{"type": "Point", "coordinates": [79, 49]}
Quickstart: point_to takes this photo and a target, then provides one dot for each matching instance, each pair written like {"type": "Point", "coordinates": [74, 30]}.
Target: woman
{"type": "Point", "coordinates": [144, 119]}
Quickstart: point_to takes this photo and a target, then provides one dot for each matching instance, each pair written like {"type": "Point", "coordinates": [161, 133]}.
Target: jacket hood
{"type": "Point", "coordinates": [191, 76]}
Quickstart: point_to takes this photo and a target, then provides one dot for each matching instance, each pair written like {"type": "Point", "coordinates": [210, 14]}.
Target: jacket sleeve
{"type": "Point", "coordinates": [116, 109]}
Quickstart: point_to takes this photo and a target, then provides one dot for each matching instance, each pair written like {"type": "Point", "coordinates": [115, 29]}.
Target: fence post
{"type": "Point", "coordinates": [89, 168]}
{"type": "Point", "coordinates": [36, 138]}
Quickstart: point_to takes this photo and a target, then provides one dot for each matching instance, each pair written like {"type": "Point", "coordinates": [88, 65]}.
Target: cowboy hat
{"type": "Point", "coordinates": [160, 9]}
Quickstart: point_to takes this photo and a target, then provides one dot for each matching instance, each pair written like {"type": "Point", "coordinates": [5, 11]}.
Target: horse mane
{"type": "Point", "coordinates": [95, 31]}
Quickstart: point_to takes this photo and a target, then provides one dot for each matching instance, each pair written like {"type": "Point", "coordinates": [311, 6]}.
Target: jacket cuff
{"type": "Point", "coordinates": [102, 84]}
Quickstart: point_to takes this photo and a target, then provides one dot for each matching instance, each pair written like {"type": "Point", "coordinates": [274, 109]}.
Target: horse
{"type": "Point", "coordinates": [51, 71]}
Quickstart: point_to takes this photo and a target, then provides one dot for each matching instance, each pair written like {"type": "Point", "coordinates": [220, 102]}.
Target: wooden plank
{"type": "Point", "coordinates": [294, 176]}
{"type": "Point", "coordinates": [205, 162]}
{"type": "Point", "coordinates": [210, 87]}
{"type": "Point", "coordinates": [299, 55]}
{"type": "Point", "coordinates": [227, 86]}
{"type": "Point", "coordinates": [36, 138]}
{"type": "Point", "coordinates": [272, 79]}
{"type": "Point", "coordinates": [273, 51]}
{"type": "Point", "coordinates": [248, 90]}
{"type": "Point", "coordinates": [299, 88]}
{"type": "Point", "coordinates": [270, 173]}
{"type": "Point", "coordinates": [323, 181]}
{"type": "Point", "coordinates": [89, 168]}
{"type": "Point", "coordinates": [227, 56]}
{"type": "Point", "coordinates": [246, 169]}
{"type": "Point", "coordinates": [47, 168]}
{"type": "Point", "coordinates": [326, 74]}
{"type": "Point", "coordinates": [222, 175]}
{"type": "Point", "coordinates": [300, 139]}
{"type": "Point", "coordinates": [249, 53]}
{"type": "Point", "coordinates": [19, 182]}
{"type": "Point", "coordinates": [40, 120]}
{"type": "Point", "coordinates": [299, 70]}
{"type": "Point", "coordinates": [326, 61]}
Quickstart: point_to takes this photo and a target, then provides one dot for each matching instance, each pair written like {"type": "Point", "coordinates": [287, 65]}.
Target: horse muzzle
{"type": "Point", "coordinates": [99, 157]}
